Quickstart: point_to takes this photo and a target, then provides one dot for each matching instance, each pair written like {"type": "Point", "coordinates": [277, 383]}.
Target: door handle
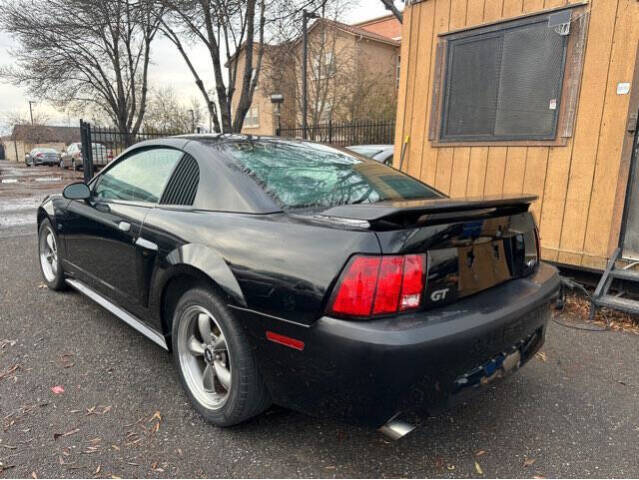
{"type": "Point", "coordinates": [124, 226]}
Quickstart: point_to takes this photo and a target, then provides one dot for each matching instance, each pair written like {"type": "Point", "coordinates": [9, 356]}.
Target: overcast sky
{"type": "Point", "coordinates": [167, 68]}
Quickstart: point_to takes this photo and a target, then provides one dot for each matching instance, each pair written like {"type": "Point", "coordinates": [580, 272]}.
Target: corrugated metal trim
{"type": "Point", "coordinates": [182, 186]}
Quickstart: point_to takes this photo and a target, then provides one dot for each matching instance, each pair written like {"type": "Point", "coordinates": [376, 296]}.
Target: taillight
{"type": "Point", "coordinates": [377, 285]}
{"type": "Point", "coordinates": [537, 244]}
{"type": "Point", "coordinates": [39, 155]}
{"type": "Point", "coordinates": [356, 290]}
{"type": "Point", "coordinates": [413, 284]}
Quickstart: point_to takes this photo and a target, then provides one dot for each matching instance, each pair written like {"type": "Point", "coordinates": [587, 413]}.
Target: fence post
{"type": "Point", "coordinates": [87, 154]}
{"type": "Point", "coordinates": [330, 130]}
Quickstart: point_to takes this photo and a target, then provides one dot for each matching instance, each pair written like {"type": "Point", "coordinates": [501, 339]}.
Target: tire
{"type": "Point", "coordinates": [236, 391]}
{"type": "Point", "coordinates": [50, 265]}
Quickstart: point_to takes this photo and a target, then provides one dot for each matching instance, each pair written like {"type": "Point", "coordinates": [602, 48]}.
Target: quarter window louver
{"type": "Point", "coordinates": [182, 186]}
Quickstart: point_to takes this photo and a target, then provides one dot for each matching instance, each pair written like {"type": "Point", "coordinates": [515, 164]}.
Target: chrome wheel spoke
{"type": "Point", "coordinates": [220, 344]}
{"type": "Point", "coordinates": [222, 374]}
{"type": "Point", "coordinates": [208, 379]}
{"type": "Point", "coordinates": [48, 255]}
{"type": "Point", "coordinates": [204, 357]}
{"type": "Point", "coordinates": [195, 346]}
{"type": "Point", "coordinates": [204, 326]}
{"type": "Point", "coordinates": [51, 243]}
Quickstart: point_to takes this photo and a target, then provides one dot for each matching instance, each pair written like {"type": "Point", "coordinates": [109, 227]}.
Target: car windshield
{"type": "Point", "coordinates": [302, 174]}
{"type": "Point", "coordinates": [46, 150]}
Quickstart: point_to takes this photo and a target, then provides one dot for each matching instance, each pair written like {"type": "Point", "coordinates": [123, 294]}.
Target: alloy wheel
{"type": "Point", "coordinates": [204, 357]}
{"type": "Point", "coordinates": [48, 255]}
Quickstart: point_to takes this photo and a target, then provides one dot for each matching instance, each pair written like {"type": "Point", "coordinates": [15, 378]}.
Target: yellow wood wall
{"type": "Point", "coordinates": [576, 183]}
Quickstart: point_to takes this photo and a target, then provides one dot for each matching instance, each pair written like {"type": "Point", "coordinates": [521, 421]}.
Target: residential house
{"type": "Point", "coordinates": [24, 138]}
{"type": "Point", "coordinates": [539, 97]}
{"type": "Point", "coordinates": [352, 75]}
{"type": "Point", "coordinates": [387, 26]}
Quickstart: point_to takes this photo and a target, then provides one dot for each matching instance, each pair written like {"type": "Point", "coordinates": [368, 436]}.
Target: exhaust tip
{"type": "Point", "coordinates": [396, 429]}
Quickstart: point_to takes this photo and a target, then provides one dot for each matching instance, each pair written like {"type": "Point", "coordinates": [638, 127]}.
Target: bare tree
{"type": "Point", "coordinates": [344, 84]}
{"type": "Point", "coordinates": [390, 5]}
{"type": "Point", "coordinates": [165, 112]}
{"type": "Point", "coordinates": [224, 28]}
{"type": "Point", "coordinates": [13, 118]}
{"type": "Point", "coordinates": [84, 53]}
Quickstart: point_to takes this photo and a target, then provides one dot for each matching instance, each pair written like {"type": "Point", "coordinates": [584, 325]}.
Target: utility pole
{"type": "Point", "coordinates": [192, 121]}
{"type": "Point", "coordinates": [31, 110]}
{"type": "Point", "coordinates": [305, 16]}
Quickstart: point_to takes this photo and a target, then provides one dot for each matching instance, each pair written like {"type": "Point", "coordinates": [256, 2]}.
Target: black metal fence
{"type": "Point", "coordinates": [344, 134]}
{"type": "Point", "coordinates": [100, 145]}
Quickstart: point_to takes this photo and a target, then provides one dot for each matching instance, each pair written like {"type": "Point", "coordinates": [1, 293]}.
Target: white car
{"type": "Point", "coordinates": [72, 156]}
{"type": "Point", "coordinates": [381, 153]}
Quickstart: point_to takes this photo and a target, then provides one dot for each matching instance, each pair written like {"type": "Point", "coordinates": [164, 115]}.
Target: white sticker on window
{"type": "Point", "coordinates": [623, 88]}
{"type": "Point", "coordinates": [553, 104]}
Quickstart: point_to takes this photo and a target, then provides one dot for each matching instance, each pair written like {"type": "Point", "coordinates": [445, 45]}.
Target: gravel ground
{"type": "Point", "coordinates": [572, 412]}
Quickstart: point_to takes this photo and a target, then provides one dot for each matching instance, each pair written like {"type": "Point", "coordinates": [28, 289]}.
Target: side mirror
{"type": "Point", "coordinates": [76, 191]}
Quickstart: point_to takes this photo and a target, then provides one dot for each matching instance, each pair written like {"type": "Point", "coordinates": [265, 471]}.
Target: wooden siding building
{"type": "Point", "coordinates": [528, 96]}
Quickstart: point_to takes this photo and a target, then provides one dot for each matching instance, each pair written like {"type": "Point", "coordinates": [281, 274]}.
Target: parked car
{"type": "Point", "coordinates": [289, 272]}
{"type": "Point", "coordinates": [72, 157]}
{"type": "Point", "coordinates": [42, 156]}
{"type": "Point", "coordinates": [381, 153]}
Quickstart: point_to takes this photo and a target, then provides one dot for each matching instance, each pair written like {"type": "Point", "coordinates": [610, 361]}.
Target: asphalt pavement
{"type": "Point", "coordinates": [571, 412]}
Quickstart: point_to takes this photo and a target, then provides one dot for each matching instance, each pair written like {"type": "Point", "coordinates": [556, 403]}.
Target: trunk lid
{"type": "Point", "coordinates": [472, 244]}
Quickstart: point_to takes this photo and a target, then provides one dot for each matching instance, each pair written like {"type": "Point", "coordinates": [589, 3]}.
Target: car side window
{"type": "Point", "coordinates": [140, 176]}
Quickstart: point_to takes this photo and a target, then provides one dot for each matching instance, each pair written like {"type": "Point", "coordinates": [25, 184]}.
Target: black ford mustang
{"type": "Point", "coordinates": [300, 274]}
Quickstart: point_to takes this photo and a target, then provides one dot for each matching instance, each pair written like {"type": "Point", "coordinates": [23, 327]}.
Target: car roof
{"type": "Point", "coordinates": [221, 187]}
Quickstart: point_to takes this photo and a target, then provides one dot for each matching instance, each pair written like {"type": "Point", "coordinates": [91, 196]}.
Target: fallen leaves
{"type": "Point", "coordinates": [541, 356]}
{"type": "Point", "coordinates": [65, 434]}
{"type": "Point", "coordinates": [98, 410]}
{"type": "Point", "coordinates": [478, 468]}
{"type": "Point", "coordinates": [57, 390]}
{"type": "Point", "coordinates": [579, 306]}
{"type": "Point", "coordinates": [4, 342]}
{"type": "Point", "coordinates": [9, 372]}
{"type": "Point", "coordinates": [65, 360]}
{"type": "Point", "coordinates": [63, 462]}
{"type": "Point", "coordinates": [529, 461]}
{"type": "Point", "coordinates": [155, 467]}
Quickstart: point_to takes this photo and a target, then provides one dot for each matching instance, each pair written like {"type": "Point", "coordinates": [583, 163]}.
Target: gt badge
{"type": "Point", "coordinates": [438, 295]}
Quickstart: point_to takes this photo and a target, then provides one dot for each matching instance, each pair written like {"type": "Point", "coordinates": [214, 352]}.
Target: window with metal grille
{"type": "Point", "coordinates": [182, 186]}
{"type": "Point", "coordinates": [504, 82]}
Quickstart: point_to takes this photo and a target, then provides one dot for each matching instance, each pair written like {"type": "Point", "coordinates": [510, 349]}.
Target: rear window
{"type": "Point", "coordinates": [300, 175]}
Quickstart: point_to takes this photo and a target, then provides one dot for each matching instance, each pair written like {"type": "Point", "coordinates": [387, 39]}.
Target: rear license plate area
{"type": "Point", "coordinates": [500, 365]}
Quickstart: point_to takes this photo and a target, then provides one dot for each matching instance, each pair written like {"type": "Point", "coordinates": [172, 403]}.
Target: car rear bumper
{"type": "Point", "coordinates": [365, 372]}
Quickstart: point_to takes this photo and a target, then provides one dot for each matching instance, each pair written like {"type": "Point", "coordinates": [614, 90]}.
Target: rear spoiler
{"type": "Point", "coordinates": [435, 210]}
